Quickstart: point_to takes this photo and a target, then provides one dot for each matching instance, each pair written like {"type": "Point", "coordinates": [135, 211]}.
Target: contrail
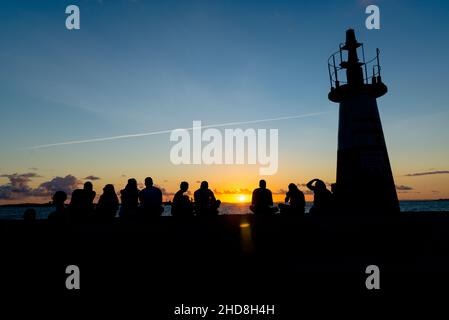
{"type": "Point", "coordinates": [126, 136]}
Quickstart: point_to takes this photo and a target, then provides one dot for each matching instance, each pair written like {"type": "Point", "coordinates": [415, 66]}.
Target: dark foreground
{"type": "Point", "coordinates": [285, 261]}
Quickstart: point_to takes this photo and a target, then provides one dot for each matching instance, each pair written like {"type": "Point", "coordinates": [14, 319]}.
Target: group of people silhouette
{"type": "Point", "coordinates": [323, 203]}
{"type": "Point", "coordinates": [144, 204]}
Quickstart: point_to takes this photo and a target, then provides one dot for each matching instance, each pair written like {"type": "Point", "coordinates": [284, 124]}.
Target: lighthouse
{"type": "Point", "coordinates": [365, 182]}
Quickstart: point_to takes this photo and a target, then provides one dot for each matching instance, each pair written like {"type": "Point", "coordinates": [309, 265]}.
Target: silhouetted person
{"type": "Point", "coordinates": [296, 201]}
{"type": "Point", "coordinates": [29, 215]}
{"type": "Point", "coordinates": [205, 202]}
{"type": "Point", "coordinates": [151, 199]}
{"type": "Point", "coordinates": [79, 209]}
{"type": "Point", "coordinates": [322, 201]}
{"type": "Point", "coordinates": [89, 195]}
{"type": "Point", "coordinates": [107, 204]}
{"type": "Point", "coordinates": [60, 215]}
{"type": "Point", "coordinates": [130, 200]}
{"type": "Point", "coordinates": [262, 200]}
{"type": "Point", "coordinates": [81, 206]}
{"type": "Point", "coordinates": [182, 206]}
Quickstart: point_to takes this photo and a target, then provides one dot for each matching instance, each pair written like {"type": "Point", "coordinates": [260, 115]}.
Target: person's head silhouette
{"type": "Point", "coordinates": [132, 183]}
{"type": "Point", "coordinates": [262, 184]}
{"type": "Point", "coordinates": [88, 186]}
{"type": "Point", "coordinates": [320, 185]}
{"type": "Point", "coordinates": [292, 187]}
{"type": "Point", "coordinates": [204, 185]}
{"type": "Point", "coordinates": [59, 198]}
{"type": "Point", "coordinates": [184, 186]}
{"type": "Point", "coordinates": [77, 197]}
{"type": "Point", "coordinates": [148, 182]}
{"type": "Point", "coordinates": [109, 189]}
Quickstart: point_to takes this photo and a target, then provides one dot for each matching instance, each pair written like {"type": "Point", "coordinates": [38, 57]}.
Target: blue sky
{"type": "Point", "coordinates": [137, 66]}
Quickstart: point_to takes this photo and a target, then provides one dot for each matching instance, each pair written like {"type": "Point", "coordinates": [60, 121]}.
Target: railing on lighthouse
{"type": "Point", "coordinates": [337, 73]}
{"type": "Point", "coordinates": [346, 63]}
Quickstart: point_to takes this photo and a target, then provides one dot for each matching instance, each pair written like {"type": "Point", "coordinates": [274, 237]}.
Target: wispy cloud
{"type": "Point", "coordinates": [164, 191]}
{"type": "Point", "coordinates": [91, 177]}
{"type": "Point", "coordinates": [233, 191]}
{"type": "Point", "coordinates": [427, 173]}
{"type": "Point", "coordinates": [66, 184]}
{"type": "Point", "coordinates": [127, 136]}
{"type": "Point", "coordinates": [404, 188]}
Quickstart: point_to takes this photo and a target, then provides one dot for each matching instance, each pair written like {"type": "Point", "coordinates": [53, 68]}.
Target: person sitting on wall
{"type": "Point", "coordinates": [151, 199]}
{"type": "Point", "coordinates": [205, 202]}
{"type": "Point", "coordinates": [295, 201]}
{"type": "Point", "coordinates": [60, 215]}
{"type": "Point", "coordinates": [129, 200]}
{"type": "Point", "coordinates": [182, 206]}
{"type": "Point", "coordinates": [107, 205]}
{"type": "Point", "coordinates": [322, 200]}
{"type": "Point", "coordinates": [262, 200]}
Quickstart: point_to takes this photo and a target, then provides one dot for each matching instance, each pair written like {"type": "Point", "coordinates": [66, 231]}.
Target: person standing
{"type": "Point", "coordinates": [151, 199]}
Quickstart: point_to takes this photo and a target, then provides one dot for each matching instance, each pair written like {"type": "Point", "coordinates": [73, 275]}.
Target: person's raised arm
{"type": "Point", "coordinates": [310, 184]}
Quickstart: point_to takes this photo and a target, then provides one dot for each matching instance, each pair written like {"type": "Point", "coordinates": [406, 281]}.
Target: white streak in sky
{"type": "Point", "coordinates": [152, 133]}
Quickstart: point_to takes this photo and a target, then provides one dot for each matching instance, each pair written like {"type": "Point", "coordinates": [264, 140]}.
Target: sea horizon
{"type": "Point", "coordinates": [15, 212]}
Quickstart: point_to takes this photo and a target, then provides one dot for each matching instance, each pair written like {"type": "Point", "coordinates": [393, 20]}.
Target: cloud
{"type": "Point", "coordinates": [403, 188]}
{"type": "Point", "coordinates": [18, 186]}
{"type": "Point", "coordinates": [19, 178]}
{"type": "Point", "coordinates": [427, 173]}
{"type": "Point", "coordinates": [164, 191]}
{"type": "Point", "coordinates": [233, 191]}
{"type": "Point", "coordinates": [248, 191]}
{"type": "Point", "coordinates": [304, 185]}
{"type": "Point", "coordinates": [280, 191]}
{"type": "Point", "coordinates": [92, 178]}
{"type": "Point", "coordinates": [66, 184]}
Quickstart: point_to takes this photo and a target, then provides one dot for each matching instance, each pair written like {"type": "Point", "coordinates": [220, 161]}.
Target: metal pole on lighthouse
{"type": "Point", "coordinates": [365, 182]}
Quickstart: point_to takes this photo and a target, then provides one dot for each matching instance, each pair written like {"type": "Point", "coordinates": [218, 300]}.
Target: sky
{"type": "Point", "coordinates": [139, 66]}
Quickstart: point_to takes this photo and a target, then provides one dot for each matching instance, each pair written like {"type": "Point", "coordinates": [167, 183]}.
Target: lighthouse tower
{"type": "Point", "coordinates": [365, 182]}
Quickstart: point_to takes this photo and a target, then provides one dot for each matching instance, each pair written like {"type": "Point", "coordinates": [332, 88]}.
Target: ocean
{"type": "Point", "coordinates": [16, 213]}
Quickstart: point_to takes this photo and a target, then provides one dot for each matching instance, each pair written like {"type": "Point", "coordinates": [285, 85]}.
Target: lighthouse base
{"type": "Point", "coordinates": [364, 176]}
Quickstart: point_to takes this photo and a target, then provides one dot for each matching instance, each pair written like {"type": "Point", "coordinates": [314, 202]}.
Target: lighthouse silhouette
{"type": "Point", "coordinates": [365, 182]}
